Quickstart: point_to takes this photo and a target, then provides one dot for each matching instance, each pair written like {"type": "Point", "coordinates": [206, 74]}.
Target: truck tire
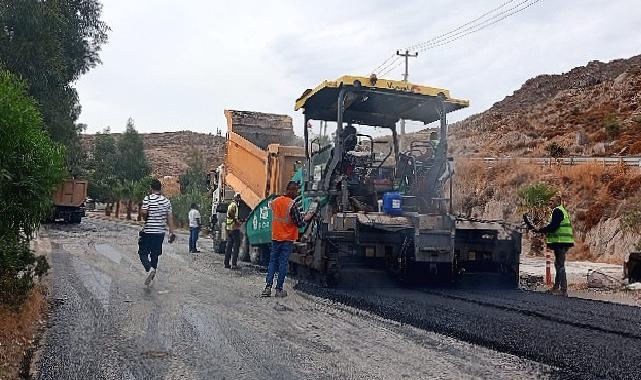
{"type": "Point", "coordinates": [254, 255]}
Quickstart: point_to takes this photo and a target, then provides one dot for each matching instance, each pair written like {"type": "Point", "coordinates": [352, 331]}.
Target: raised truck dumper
{"type": "Point", "coordinates": [69, 201]}
{"type": "Point", "coordinates": [385, 208]}
{"type": "Point", "coordinates": [261, 155]}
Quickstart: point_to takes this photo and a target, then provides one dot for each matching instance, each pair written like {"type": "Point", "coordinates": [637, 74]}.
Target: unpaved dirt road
{"type": "Point", "coordinates": [200, 321]}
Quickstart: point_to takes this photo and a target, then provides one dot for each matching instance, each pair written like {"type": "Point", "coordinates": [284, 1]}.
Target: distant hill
{"type": "Point", "coordinates": [590, 110]}
{"type": "Point", "coordinates": [168, 152]}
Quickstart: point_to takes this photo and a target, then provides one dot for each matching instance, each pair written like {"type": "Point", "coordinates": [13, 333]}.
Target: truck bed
{"type": "Point", "coordinates": [258, 162]}
{"type": "Point", "coordinates": [70, 193]}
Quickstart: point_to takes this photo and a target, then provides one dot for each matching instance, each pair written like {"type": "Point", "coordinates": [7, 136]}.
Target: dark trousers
{"type": "Point", "coordinates": [232, 247]}
{"type": "Point", "coordinates": [278, 261]}
{"type": "Point", "coordinates": [193, 238]}
{"type": "Point", "coordinates": [560, 279]}
{"type": "Point", "coordinates": [149, 248]}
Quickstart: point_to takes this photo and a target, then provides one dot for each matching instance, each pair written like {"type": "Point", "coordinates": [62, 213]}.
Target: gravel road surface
{"type": "Point", "coordinates": [200, 321]}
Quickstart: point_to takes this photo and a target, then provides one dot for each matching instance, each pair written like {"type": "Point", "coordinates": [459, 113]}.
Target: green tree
{"type": "Point", "coordinates": [181, 204]}
{"type": "Point", "coordinates": [51, 44]}
{"type": "Point", "coordinates": [31, 163]}
{"type": "Point", "coordinates": [193, 189]}
{"type": "Point", "coordinates": [103, 165]}
{"type": "Point", "coordinates": [31, 167]}
{"type": "Point", "coordinates": [140, 190]}
{"type": "Point", "coordinates": [195, 178]}
{"type": "Point", "coordinates": [119, 192]}
{"type": "Point", "coordinates": [132, 163]}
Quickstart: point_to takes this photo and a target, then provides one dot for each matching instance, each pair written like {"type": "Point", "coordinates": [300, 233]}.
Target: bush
{"type": "Point", "coordinates": [612, 126]}
{"type": "Point", "coordinates": [18, 267]}
{"type": "Point", "coordinates": [536, 196]}
{"type": "Point", "coordinates": [534, 200]}
{"type": "Point", "coordinates": [631, 220]}
{"type": "Point", "coordinates": [594, 214]}
{"type": "Point", "coordinates": [30, 168]}
{"type": "Point", "coordinates": [555, 150]}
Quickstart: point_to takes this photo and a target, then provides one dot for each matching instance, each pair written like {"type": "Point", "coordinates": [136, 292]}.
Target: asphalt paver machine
{"type": "Point", "coordinates": [348, 179]}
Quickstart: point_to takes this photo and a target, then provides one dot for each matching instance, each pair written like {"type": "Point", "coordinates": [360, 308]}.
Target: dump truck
{"type": "Point", "coordinates": [261, 155]}
{"type": "Point", "coordinates": [69, 201]}
{"type": "Point", "coordinates": [415, 236]}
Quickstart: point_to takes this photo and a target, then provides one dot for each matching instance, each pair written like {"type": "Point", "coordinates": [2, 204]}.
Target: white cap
{"type": "Point", "coordinates": [236, 194]}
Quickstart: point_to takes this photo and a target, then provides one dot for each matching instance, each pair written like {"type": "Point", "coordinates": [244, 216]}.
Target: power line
{"type": "Point", "coordinates": [416, 46]}
{"type": "Point", "coordinates": [459, 32]}
{"type": "Point", "coordinates": [390, 68]}
{"type": "Point", "coordinates": [391, 65]}
{"type": "Point", "coordinates": [520, 7]}
{"type": "Point", "coordinates": [385, 62]}
{"type": "Point", "coordinates": [391, 60]}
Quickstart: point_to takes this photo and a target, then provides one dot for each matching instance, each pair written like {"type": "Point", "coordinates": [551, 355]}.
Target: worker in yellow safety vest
{"type": "Point", "coordinates": [232, 225]}
{"type": "Point", "coordinates": [286, 220]}
{"type": "Point", "coordinates": [559, 238]}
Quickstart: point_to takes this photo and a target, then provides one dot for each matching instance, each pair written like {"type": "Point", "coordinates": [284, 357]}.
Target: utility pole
{"type": "Point", "coordinates": [407, 56]}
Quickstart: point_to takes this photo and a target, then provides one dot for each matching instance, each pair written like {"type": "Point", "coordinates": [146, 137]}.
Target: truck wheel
{"type": "Point", "coordinates": [255, 255]}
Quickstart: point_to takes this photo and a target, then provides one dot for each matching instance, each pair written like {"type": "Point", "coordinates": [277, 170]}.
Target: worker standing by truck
{"type": "Point", "coordinates": [194, 228]}
{"type": "Point", "coordinates": [559, 238]}
{"type": "Point", "coordinates": [232, 224]}
{"type": "Point", "coordinates": [156, 211]}
{"type": "Point", "coordinates": [286, 220]}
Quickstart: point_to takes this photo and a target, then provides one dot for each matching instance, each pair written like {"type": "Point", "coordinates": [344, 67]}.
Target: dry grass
{"type": "Point", "coordinates": [17, 332]}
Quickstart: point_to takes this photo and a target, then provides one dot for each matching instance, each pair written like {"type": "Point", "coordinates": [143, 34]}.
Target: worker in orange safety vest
{"type": "Point", "coordinates": [286, 220]}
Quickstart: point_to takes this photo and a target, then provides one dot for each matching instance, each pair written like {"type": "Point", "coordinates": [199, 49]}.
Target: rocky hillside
{"type": "Point", "coordinates": [593, 110]}
{"type": "Point", "coordinates": [168, 152]}
{"type": "Point", "coordinates": [590, 110]}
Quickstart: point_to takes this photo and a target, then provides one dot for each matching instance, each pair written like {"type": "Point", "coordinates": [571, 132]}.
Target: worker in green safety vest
{"type": "Point", "coordinates": [559, 238]}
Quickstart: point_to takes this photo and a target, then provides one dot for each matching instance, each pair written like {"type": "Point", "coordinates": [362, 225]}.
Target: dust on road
{"type": "Point", "coordinates": [201, 321]}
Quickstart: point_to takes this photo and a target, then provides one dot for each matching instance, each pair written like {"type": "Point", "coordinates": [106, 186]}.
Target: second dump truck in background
{"type": "Point", "coordinates": [69, 201]}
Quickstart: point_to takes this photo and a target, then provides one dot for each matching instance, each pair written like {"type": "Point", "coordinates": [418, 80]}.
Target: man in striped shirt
{"type": "Point", "coordinates": [156, 210]}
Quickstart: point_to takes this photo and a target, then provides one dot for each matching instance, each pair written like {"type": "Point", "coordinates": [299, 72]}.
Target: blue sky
{"type": "Point", "coordinates": [177, 65]}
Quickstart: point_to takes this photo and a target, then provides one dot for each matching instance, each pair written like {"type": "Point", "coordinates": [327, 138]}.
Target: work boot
{"type": "Point", "coordinates": [234, 267]}
{"type": "Point", "coordinates": [267, 292]}
{"type": "Point", "coordinates": [281, 293]}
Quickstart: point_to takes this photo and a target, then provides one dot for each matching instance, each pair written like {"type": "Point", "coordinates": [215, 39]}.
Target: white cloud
{"type": "Point", "coordinates": [177, 65]}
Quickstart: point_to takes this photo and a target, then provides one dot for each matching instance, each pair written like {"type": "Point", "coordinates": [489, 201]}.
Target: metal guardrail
{"type": "Point", "coordinates": [628, 161]}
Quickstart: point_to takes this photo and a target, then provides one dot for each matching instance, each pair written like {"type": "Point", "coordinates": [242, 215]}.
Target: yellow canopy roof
{"type": "Point", "coordinates": [378, 102]}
